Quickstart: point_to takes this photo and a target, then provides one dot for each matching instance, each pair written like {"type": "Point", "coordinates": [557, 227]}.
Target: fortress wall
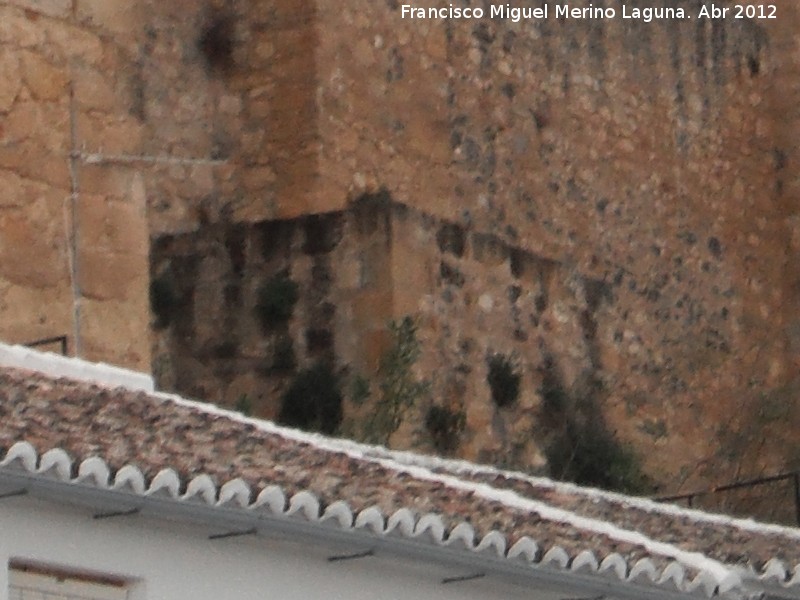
{"type": "Point", "coordinates": [73, 233]}
{"type": "Point", "coordinates": [652, 157]}
{"type": "Point", "coordinates": [643, 171]}
{"type": "Point", "coordinates": [127, 121]}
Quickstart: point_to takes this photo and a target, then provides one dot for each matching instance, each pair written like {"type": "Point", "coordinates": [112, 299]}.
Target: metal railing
{"type": "Point", "coordinates": [58, 339]}
{"type": "Point", "coordinates": [690, 497]}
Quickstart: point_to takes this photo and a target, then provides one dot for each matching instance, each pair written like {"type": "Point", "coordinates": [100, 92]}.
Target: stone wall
{"type": "Point", "coordinates": [73, 251]}
{"type": "Point", "coordinates": [624, 193]}
{"type": "Point", "coordinates": [654, 158]}
{"type": "Point", "coordinates": [124, 121]}
{"type": "Point", "coordinates": [212, 339]}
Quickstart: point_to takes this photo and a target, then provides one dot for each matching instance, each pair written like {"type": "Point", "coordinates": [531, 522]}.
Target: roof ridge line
{"type": "Point", "coordinates": [722, 574]}
{"type": "Point", "coordinates": [95, 472]}
{"type": "Point", "coordinates": [403, 459]}
{"type": "Point", "coordinates": [725, 577]}
{"type": "Point", "coordinates": [54, 365]}
{"type": "Point", "coordinates": [641, 502]}
{"type": "Point", "coordinates": [16, 356]}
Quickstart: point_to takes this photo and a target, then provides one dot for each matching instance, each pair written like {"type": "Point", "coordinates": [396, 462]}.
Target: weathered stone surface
{"type": "Point", "coordinates": [112, 225]}
{"type": "Point", "coordinates": [18, 29]}
{"type": "Point", "coordinates": [126, 320]}
{"type": "Point", "coordinates": [32, 248]}
{"type": "Point", "coordinates": [115, 17]}
{"type": "Point", "coordinates": [28, 159]}
{"type": "Point", "coordinates": [94, 90]}
{"type": "Point", "coordinates": [52, 8]}
{"type": "Point", "coordinates": [34, 312]}
{"type": "Point", "coordinates": [44, 80]}
{"type": "Point", "coordinates": [111, 276]}
{"type": "Point", "coordinates": [10, 73]}
{"type": "Point", "coordinates": [43, 125]}
{"type": "Point", "coordinates": [622, 193]}
{"type": "Point", "coordinates": [112, 135]}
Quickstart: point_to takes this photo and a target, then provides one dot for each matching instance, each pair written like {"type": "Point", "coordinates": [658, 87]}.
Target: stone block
{"type": "Point", "coordinates": [121, 18]}
{"type": "Point", "coordinates": [20, 30]}
{"type": "Point", "coordinates": [30, 313]}
{"type": "Point", "coordinates": [33, 252]}
{"type": "Point", "coordinates": [68, 42]}
{"type": "Point", "coordinates": [112, 226]}
{"type": "Point", "coordinates": [44, 80]}
{"type": "Point", "coordinates": [30, 161]}
{"type": "Point", "coordinates": [43, 124]}
{"type": "Point", "coordinates": [11, 78]}
{"type": "Point", "coordinates": [17, 191]}
{"type": "Point", "coordinates": [112, 276]}
{"type": "Point", "coordinates": [95, 89]}
{"type": "Point", "coordinates": [372, 309]}
{"type": "Point", "coordinates": [108, 135]}
{"type": "Point", "coordinates": [59, 9]}
{"type": "Point", "coordinates": [106, 179]}
{"type": "Point", "coordinates": [116, 332]}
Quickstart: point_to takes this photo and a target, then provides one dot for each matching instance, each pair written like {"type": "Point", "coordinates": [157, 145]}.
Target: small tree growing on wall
{"type": "Point", "coordinates": [400, 390]}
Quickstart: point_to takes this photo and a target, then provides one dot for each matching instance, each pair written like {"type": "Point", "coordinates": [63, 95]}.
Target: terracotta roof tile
{"type": "Point", "coordinates": [153, 431]}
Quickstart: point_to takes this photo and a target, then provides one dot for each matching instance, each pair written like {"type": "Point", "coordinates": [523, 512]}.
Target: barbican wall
{"type": "Point", "coordinates": [655, 158]}
{"type": "Point", "coordinates": [644, 173]}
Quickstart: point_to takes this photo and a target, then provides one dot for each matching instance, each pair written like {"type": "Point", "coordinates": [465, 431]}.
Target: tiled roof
{"type": "Point", "coordinates": [145, 441]}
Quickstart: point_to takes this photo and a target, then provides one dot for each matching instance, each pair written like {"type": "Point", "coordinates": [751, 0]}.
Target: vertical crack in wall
{"type": "Point", "coordinates": [71, 221]}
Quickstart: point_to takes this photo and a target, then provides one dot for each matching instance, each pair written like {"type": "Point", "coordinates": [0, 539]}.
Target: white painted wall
{"type": "Point", "coordinates": [174, 561]}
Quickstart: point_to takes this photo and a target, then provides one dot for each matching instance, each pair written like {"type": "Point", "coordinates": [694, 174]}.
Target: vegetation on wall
{"type": "Point", "coordinates": [555, 399]}
{"type": "Point", "coordinates": [283, 357]}
{"type": "Point", "coordinates": [444, 426]}
{"type": "Point", "coordinates": [275, 300]}
{"type": "Point", "coordinates": [504, 380]}
{"type": "Point", "coordinates": [588, 454]}
{"type": "Point", "coordinates": [399, 388]}
{"type": "Point", "coordinates": [244, 405]}
{"type": "Point", "coordinates": [582, 449]}
{"type": "Point", "coordinates": [313, 401]}
{"type": "Point", "coordinates": [163, 300]}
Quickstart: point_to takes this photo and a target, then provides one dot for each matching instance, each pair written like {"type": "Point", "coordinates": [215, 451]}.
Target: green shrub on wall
{"type": "Point", "coordinates": [444, 426]}
{"type": "Point", "coordinates": [163, 300]}
{"type": "Point", "coordinates": [589, 455]}
{"type": "Point", "coordinates": [313, 401]}
{"type": "Point", "coordinates": [244, 405]}
{"type": "Point", "coordinates": [399, 388]}
{"type": "Point", "coordinates": [586, 452]}
{"type": "Point", "coordinates": [283, 357]}
{"type": "Point", "coordinates": [504, 380]}
{"type": "Point", "coordinates": [275, 300]}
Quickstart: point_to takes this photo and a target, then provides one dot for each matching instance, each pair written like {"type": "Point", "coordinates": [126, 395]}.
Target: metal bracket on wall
{"type": "Point", "coordinates": [463, 578]}
{"type": "Point", "coordinates": [13, 494]}
{"type": "Point", "coordinates": [230, 534]}
{"type": "Point", "coordinates": [118, 513]}
{"type": "Point", "coordinates": [355, 556]}
{"type": "Point", "coordinates": [58, 339]}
